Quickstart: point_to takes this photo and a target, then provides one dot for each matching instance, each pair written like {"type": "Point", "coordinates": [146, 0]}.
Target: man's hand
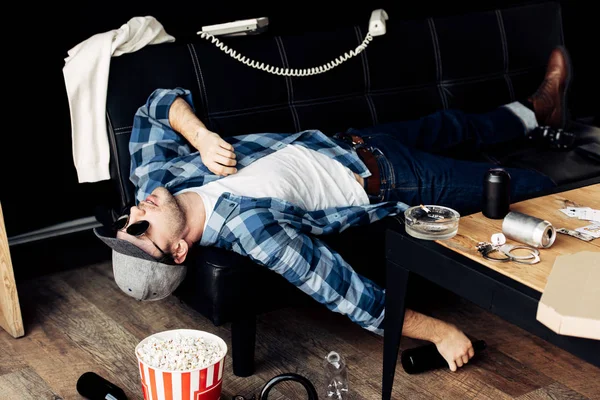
{"type": "Point", "coordinates": [455, 347]}
{"type": "Point", "coordinates": [216, 154]}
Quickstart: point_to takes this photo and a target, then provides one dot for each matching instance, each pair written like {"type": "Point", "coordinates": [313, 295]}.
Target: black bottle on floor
{"type": "Point", "coordinates": [427, 357]}
{"type": "Point", "coordinates": [94, 387]}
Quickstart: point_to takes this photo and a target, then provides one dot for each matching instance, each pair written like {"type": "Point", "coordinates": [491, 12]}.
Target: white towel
{"type": "Point", "coordinates": [86, 79]}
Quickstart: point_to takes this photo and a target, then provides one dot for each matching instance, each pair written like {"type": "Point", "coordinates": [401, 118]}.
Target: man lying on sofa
{"type": "Point", "coordinates": [269, 196]}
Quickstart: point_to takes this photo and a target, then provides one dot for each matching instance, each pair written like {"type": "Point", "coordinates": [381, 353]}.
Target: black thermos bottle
{"type": "Point", "coordinates": [94, 387]}
{"type": "Point", "coordinates": [427, 357]}
{"type": "Point", "coordinates": [496, 193]}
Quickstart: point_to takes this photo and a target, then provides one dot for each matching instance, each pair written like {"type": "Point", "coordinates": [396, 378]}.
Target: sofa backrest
{"type": "Point", "coordinates": [473, 62]}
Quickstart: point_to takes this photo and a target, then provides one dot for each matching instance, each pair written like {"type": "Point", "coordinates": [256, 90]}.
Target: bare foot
{"type": "Point", "coordinates": [454, 346]}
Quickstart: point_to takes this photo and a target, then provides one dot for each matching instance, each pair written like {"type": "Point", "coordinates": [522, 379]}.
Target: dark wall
{"type": "Point", "coordinates": [39, 186]}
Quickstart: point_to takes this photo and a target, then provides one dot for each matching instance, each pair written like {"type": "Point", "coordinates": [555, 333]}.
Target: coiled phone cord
{"type": "Point", "coordinates": [287, 71]}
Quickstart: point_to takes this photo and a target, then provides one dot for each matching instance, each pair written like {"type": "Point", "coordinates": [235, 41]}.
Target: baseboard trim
{"type": "Point", "coordinates": [64, 228]}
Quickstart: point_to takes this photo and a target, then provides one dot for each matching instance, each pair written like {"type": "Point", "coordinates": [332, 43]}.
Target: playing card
{"type": "Point", "coordinates": [574, 211]}
{"type": "Point", "coordinates": [567, 212]}
{"type": "Point", "coordinates": [592, 230]}
{"type": "Point", "coordinates": [589, 215]}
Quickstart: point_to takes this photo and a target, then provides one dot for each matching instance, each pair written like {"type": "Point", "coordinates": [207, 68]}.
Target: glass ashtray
{"type": "Point", "coordinates": [431, 222]}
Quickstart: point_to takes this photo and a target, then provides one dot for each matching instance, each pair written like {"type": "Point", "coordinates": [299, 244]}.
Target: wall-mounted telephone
{"type": "Point", "coordinates": [377, 27]}
{"type": "Point", "coordinates": [237, 28]}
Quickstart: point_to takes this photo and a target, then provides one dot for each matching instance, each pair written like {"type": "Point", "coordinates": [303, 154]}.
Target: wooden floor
{"type": "Point", "coordinates": [78, 321]}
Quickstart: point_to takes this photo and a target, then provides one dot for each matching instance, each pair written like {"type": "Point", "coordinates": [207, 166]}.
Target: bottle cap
{"type": "Point", "coordinates": [498, 239]}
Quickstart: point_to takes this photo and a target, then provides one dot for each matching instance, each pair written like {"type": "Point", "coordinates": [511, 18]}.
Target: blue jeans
{"type": "Point", "coordinates": [413, 170]}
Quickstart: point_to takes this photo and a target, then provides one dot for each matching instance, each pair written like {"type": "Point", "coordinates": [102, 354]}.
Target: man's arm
{"type": "Point", "coordinates": [216, 153]}
{"type": "Point", "coordinates": [321, 272]}
{"type": "Point", "coordinates": [291, 247]}
{"type": "Point", "coordinates": [159, 154]}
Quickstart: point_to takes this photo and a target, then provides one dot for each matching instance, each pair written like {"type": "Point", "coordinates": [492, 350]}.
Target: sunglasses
{"type": "Point", "coordinates": [137, 229]}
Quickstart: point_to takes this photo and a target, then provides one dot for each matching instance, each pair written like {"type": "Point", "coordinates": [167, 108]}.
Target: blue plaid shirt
{"type": "Point", "coordinates": [271, 231]}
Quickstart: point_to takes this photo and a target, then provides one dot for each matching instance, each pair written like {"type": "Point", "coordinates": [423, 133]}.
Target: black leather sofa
{"type": "Point", "coordinates": [473, 62]}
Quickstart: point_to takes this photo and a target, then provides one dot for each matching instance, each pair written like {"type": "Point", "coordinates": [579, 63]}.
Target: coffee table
{"type": "Point", "coordinates": [509, 290]}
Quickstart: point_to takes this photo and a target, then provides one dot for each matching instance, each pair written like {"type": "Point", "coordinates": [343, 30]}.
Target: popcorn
{"type": "Point", "coordinates": [180, 353]}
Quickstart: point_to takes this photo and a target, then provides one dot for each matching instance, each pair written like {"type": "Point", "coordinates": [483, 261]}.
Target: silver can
{"type": "Point", "coordinates": [530, 230]}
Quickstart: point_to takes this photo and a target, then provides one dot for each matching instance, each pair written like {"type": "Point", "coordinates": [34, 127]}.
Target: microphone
{"type": "Point", "coordinates": [94, 387]}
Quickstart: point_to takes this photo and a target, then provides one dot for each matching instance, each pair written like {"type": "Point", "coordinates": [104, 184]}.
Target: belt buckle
{"type": "Point", "coordinates": [356, 141]}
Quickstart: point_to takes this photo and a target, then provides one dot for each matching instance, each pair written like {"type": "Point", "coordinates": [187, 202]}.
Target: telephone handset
{"type": "Point", "coordinates": [377, 27]}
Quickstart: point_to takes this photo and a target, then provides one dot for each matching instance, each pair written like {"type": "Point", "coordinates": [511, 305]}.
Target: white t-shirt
{"type": "Point", "coordinates": [301, 176]}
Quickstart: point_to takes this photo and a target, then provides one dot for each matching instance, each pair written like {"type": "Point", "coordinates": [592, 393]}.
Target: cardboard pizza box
{"type": "Point", "coordinates": [570, 304]}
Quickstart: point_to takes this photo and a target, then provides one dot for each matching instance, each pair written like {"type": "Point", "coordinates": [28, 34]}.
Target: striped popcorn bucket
{"type": "Point", "coordinates": [194, 384]}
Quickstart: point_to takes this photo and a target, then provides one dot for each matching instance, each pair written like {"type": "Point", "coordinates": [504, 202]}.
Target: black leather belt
{"type": "Point", "coordinates": [373, 182]}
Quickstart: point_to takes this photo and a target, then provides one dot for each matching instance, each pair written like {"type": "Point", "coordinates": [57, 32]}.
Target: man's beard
{"type": "Point", "coordinates": [172, 211]}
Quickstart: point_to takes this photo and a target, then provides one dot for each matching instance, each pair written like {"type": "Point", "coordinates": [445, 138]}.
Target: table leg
{"type": "Point", "coordinates": [395, 295]}
{"type": "Point", "coordinates": [10, 310]}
